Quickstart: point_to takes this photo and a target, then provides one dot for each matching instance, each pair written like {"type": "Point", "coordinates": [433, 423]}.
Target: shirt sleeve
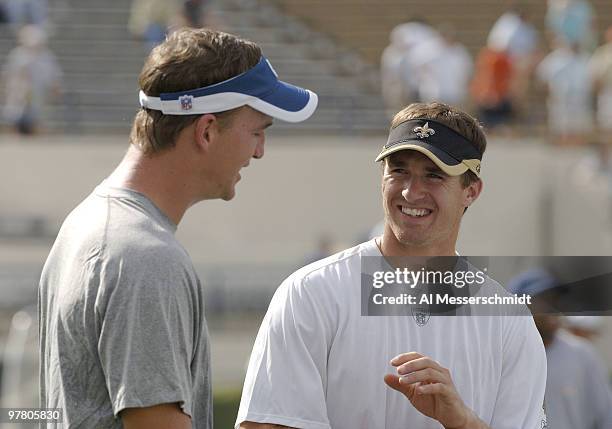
{"type": "Point", "coordinates": [146, 334]}
{"type": "Point", "coordinates": [520, 398]}
{"type": "Point", "coordinates": [287, 373]}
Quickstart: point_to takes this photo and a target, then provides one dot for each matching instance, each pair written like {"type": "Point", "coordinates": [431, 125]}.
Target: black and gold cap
{"type": "Point", "coordinates": [449, 150]}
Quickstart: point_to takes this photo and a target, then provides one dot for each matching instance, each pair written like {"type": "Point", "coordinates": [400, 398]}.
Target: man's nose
{"type": "Point", "coordinates": [259, 149]}
{"type": "Point", "coordinates": [413, 189]}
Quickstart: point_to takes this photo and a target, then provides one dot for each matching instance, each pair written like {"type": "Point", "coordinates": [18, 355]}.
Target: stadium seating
{"type": "Point", "coordinates": [101, 61]}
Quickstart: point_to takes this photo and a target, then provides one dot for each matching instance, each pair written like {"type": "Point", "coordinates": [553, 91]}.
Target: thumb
{"type": "Point", "coordinates": [393, 382]}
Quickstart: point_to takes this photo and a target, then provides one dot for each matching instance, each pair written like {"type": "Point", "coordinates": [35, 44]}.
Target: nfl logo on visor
{"type": "Point", "coordinates": [186, 102]}
{"type": "Point", "coordinates": [424, 131]}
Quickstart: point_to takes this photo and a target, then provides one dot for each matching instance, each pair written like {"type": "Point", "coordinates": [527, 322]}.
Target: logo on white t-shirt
{"type": "Point", "coordinates": [421, 315]}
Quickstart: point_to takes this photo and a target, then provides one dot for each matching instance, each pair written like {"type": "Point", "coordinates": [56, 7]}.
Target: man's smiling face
{"type": "Point", "coordinates": [423, 205]}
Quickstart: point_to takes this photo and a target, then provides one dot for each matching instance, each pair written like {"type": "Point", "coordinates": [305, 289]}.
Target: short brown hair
{"type": "Point", "coordinates": [459, 121]}
{"type": "Point", "coordinates": [188, 59]}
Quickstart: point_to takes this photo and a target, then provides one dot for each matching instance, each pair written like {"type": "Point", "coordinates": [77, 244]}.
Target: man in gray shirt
{"type": "Point", "coordinates": [123, 338]}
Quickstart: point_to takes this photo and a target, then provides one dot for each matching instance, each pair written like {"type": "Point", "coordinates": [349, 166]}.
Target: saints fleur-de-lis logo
{"type": "Point", "coordinates": [424, 131]}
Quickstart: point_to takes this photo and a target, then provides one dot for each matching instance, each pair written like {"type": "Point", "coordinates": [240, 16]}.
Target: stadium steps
{"type": "Point", "coordinates": [101, 61]}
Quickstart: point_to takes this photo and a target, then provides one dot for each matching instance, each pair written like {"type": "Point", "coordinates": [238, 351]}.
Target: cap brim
{"type": "Point", "coordinates": [287, 102]}
{"type": "Point", "coordinates": [444, 161]}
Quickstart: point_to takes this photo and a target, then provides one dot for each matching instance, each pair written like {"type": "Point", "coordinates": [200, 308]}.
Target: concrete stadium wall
{"type": "Point", "coordinates": [305, 186]}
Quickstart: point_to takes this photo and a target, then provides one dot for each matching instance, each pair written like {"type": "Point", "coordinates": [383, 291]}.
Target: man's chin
{"type": "Point", "coordinates": [411, 238]}
{"type": "Point", "coordinates": [229, 195]}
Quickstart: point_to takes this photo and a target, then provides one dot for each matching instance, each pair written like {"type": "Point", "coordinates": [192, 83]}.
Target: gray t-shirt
{"type": "Point", "coordinates": [121, 316]}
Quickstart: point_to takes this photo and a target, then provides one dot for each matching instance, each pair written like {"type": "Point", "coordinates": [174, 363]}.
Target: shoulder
{"type": "Point", "coordinates": [335, 268]}
{"type": "Point", "coordinates": [125, 229]}
{"type": "Point", "coordinates": [324, 282]}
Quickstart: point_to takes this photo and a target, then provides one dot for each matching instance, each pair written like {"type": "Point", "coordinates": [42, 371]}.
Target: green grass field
{"type": "Point", "coordinates": [226, 404]}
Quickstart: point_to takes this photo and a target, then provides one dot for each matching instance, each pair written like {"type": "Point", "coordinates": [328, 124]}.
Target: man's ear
{"type": "Point", "coordinates": [206, 131]}
{"type": "Point", "coordinates": [472, 192]}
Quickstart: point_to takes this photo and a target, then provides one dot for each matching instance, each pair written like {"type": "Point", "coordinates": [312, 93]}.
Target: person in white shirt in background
{"type": "Point", "coordinates": [572, 21]}
{"type": "Point", "coordinates": [31, 76]}
{"type": "Point", "coordinates": [578, 393]}
{"type": "Point", "coordinates": [443, 68]}
{"type": "Point", "coordinates": [398, 77]}
{"type": "Point", "coordinates": [567, 76]}
{"type": "Point", "coordinates": [601, 72]}
{"type": "Point", "coordinates": [595, 170]}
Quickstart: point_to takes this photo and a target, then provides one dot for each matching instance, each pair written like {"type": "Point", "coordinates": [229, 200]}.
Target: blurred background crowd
{"type": "Point", "coordinates": [564, 60]}
{"type": "Point", "coordinates": [537, 74]}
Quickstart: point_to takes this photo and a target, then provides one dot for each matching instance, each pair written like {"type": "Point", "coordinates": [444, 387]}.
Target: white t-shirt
{"type": "Point", "coordinates": [601, 70]}
{"type": "Point", "coordinates": [568, 78]}
{"type": "Point", "coordinates": [317, 363]}
{"type": "Point", "coordinates": [510, 33]}
{"type": "Point", "coordinates": [443, 71]}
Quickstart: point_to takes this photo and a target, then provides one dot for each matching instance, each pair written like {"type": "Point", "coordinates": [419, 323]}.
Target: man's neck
{"type": "Point", "coordinates": [389, 246]}
{"type": "Point", "coordinates": [159, 178]}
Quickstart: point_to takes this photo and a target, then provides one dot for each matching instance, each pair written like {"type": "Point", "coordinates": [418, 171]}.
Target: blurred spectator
{"type": "Point", "coordinates": [573, 22]}
{"type": "Point", "coordinates": [150, 20]}
{"type": "Point", "coordinates": [199, 14]}
{"type": "Point", "coordinates": [578, 393]}
{"type": "Point", "coordinates": [601, 71]}
{"type": "Point", "coordinates": [3, 13]}
{"type": "Point", "coordinates": [398, 75]}
{"type": "Point", "coordinates": [194, 13]}
{"type": "Point", "coordinates": [24, 12]}
{"type": "Point", "coordinates": [491, 88]}
{"type": "Point", "coordinates": [31, 73]}
{"type": "Point", "coordinates": [443, 69]}
{"type": "Point", "coordinates": [565, 71]}
{"type": "Point", "coordinates": [513, 33]}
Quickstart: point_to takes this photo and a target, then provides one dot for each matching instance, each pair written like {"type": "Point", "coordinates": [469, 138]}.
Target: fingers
{"type": "Point", "coordinates": [414, 368]}
{"type": "Point", "coordinates": [429, 388]}
{"type": "Point", "coordinates": [433, 389]}
{"type": "Point", "coordinates": [427, 375]}
{"type": "Point", "coordinates": [405, 357]}
{"type": "Point", "coordinates": [418, 364]}
{"type": "Point", "coordinates": [393, 382]}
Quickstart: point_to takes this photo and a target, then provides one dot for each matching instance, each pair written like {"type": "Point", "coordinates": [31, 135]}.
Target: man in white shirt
{"type": "Point", "coordinates": [601, 72]}
{"type": "Point", "coordinates": [443, 69]}
{"type": "Point", "coordinates": [565, 71]}
{"type": "Point", "coordinates": [398, 74]}
{"type": "Point", "coordinates": [318, 363]}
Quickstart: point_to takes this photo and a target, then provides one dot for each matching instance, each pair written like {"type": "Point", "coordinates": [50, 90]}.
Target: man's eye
{"type": "Point", "coordinates": [434, 176]}
{"type": "Point", "coordinates": [398, 170]}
